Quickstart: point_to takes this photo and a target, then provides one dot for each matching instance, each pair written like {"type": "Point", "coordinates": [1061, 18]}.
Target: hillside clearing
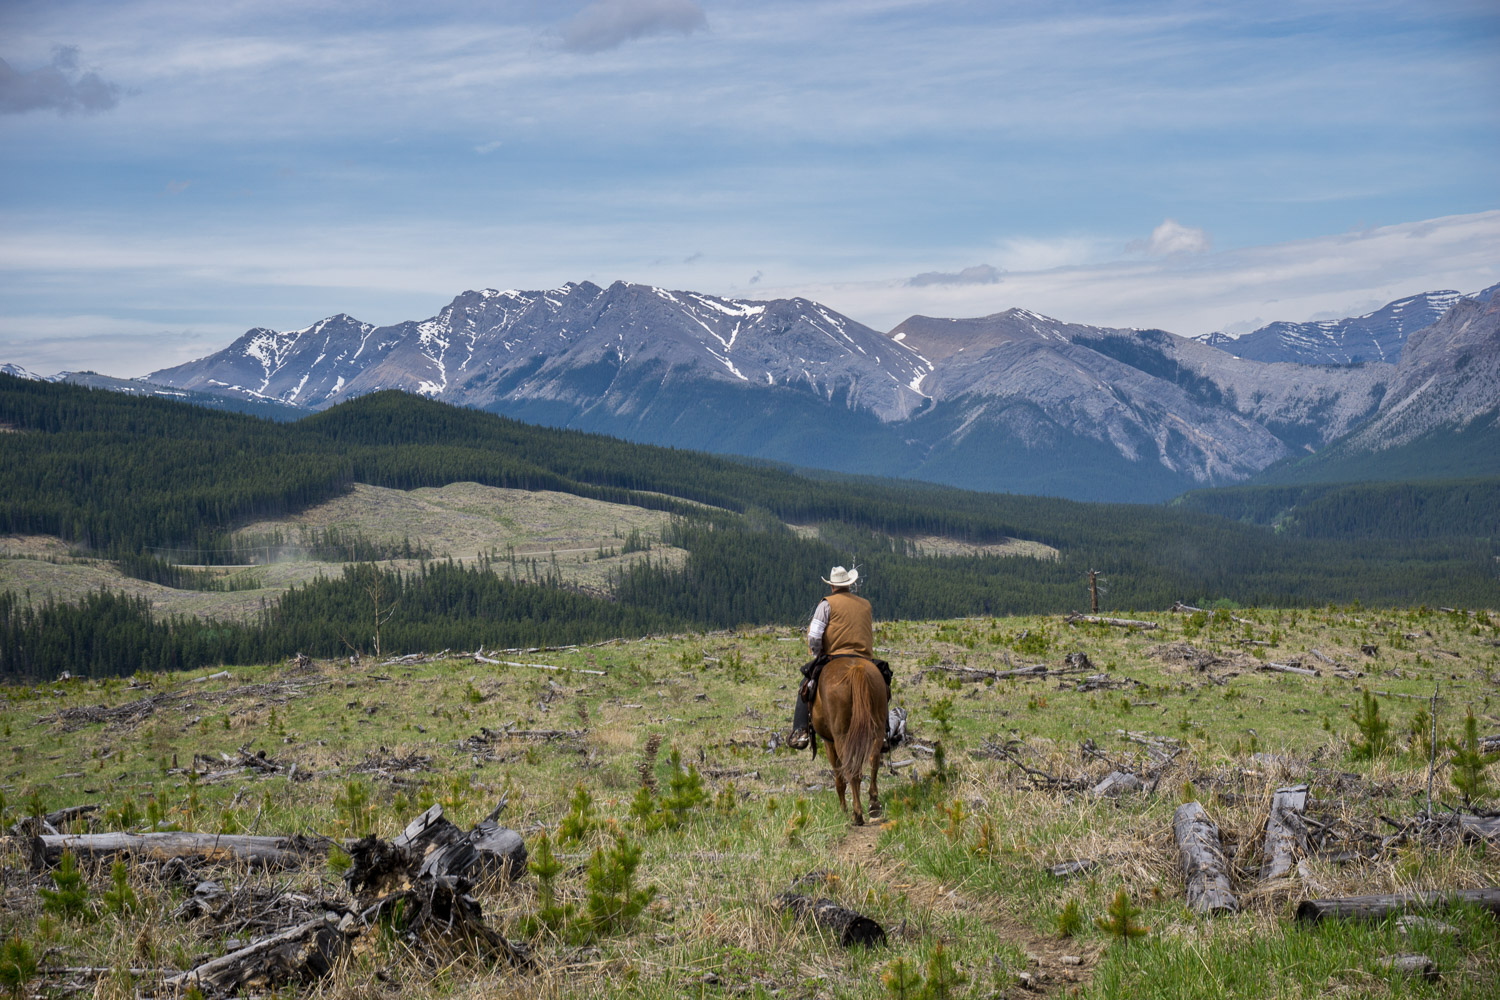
{"type": "Point", "coordinates": [961, 860]}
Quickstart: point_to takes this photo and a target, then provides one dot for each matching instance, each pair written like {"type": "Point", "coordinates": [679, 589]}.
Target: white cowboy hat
{"type": "Point", "coordinates": [841, 577]}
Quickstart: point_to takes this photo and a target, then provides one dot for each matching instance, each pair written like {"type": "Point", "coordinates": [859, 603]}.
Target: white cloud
{"type": "Point", "coordinates": [1172, 238]}
{"type": "Point", "coordinates": [1213, 291]}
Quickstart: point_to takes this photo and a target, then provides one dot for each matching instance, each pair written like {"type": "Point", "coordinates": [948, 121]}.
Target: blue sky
{"type": "Point", "coordinates": [176, 172]}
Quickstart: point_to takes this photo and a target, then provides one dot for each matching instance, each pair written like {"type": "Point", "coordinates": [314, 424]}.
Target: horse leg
{"type": "Point", "coordinates": [875, 786]}
{"type": "Point", "coordinates": [838, 773]}
{"type": "Point", "coordinates": [859, 809]}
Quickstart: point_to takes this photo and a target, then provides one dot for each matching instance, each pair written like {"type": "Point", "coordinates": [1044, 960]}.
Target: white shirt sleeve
{"type": "Point", "coordinates": [817, 627]}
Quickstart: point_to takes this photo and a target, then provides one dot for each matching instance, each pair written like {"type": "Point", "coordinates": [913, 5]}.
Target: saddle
{"type": "Point", "coordinates": [895, 725]}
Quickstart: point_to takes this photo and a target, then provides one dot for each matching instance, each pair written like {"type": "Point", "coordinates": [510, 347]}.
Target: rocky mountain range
{"type": "Point", "coordinates": [1375, 336]}
{"type": "Point", "coordinates": [1015, 401]}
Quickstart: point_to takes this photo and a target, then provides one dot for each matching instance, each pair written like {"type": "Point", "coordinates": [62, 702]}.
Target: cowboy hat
{"type": "Point", "coordinates": [841, 577]}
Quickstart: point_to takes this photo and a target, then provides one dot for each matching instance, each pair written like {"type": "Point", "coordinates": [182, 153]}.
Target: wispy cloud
{"type": "Point", "coordinates": [980, 274]}
{"type": "Point", "coordinates": [608, 24]}
{"type": "Point", "coordinates": [1172, 238]}
{"type": "Point", "coordinates": [58, 86]}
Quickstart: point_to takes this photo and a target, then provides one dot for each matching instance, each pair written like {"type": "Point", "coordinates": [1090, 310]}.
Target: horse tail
{"type": "Point", "coordinates": [864, 737]}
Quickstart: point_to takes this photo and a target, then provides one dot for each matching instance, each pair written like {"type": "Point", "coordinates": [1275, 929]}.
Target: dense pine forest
{"type": "Point", "coordinates": [152, 483]}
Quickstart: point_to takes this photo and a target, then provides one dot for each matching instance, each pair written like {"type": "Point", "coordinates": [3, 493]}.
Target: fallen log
{"type": "Point", "coordinates": [1118, 622]}
{"type": "Point", "coordinates": [1480, 828]}
{"type": "Point", "coordinates": [852, 928]}
{"type": "Point", "coordinates": [46, 851]}
{"type": "Point", "coordinates": [1201, 858]}
{"type": "Point", "coordinates": [1411, 965]}
{"type": "Point", "coordinates": [1324, 657]}
{"type": "Point", "coordinates": [981, 674]}
{"type": "Point", "coordinates": [1285, 833]}
{"type": "Point", "coordinates": [1181, 608]}
{"type": "Point", "coordinates": [1287, 668]}
{"type": "Point", "coordinates": [1379, 907]}
{"type": "Point", "coordinates": [536, 666]}
{"type": "Point", "coordinates": [299, 954]}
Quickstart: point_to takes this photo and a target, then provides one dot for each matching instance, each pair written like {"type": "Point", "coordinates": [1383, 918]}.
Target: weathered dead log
{"type": "Point", "coordinates": [1411, 965]}
{"type": "Point", "coordinates": [299, 954]}
{"type": "Point", "coordinates": [1188, 609]}
{"type": "Point", "coordinates": [1069, 869]}
{"type": "Point", "coordinates": [1379, 907]}
{"type": "Point", "coordinates": [1117, 622]}
{"type": "Point", "coordinates": [1116, 784]}
{"type": "Point", "coordinates": [1287, 668]}
{"type": "Point", "coordinates": [269, 852]}
{"type": "Point", "coordinates": [536, 666]}
{"type": "Point", "coordinates": [61, 817]}
{"type": "Point", "coordinates": [852, 928]}
{"type": "Point", "coordinates": [981, 674]}
{"type": "Point", "coordinates": [1480, 828]}
{"type": "Point", "coordinates": [1285, 833]}
{"type": "Point", "coordinates": [1201, 858]}
{"type": "Point", "coordinates": [1324, 657]}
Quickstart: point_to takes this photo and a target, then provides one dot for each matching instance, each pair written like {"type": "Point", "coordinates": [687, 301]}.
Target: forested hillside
{"type": "Point", "coordinates": [1455, 508]}
{"type": "Point", "coordinates": [139, 479]}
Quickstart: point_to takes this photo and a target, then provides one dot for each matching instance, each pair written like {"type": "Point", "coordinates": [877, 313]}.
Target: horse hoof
{"type": "Point", "coordinates": [876, 812]}
{"type": "Point", "coordinates": [859, 820]}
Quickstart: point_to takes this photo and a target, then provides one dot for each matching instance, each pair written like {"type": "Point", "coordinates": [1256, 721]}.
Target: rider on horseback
{"type": "Point", "coordinates": [841, 626]}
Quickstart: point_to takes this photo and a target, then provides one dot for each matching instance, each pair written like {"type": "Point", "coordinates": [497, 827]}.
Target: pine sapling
{"type": "Point", "coordinates": [580, 821]}
{"type": "Point", "coordinates": [943, 977]}
{"type": "Point", "coordinates": [1375, 730]}
{"type": "Point", "coordinates": [1469, 765]}
{"type": "Point", "coordinates": [902, 980]}
{"type": "Point", "coordinates": [1121, 920]}
{"type": "Point", "coordinates": [1070, 920]}
{"type": "Point", "coordinates": [120, 897]}
{"type": "Point", "coordinates": [797, 822]}
{"type": "Point", "coordinates": [18, 966]}
{"type": "Point", "coordinates": [614, 902]}
{"type": "Point", "coordinates": [550, 914]}
{"type": "Point", "coordinates": [70, 898]}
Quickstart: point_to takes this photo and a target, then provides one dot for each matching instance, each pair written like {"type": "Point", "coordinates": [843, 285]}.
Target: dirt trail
{"type": "Point", "coordinates": [1051, 974]}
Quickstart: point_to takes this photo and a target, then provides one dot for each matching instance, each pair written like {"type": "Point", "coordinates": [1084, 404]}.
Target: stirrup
{"type": "Point", "coordinates": [799, 739]}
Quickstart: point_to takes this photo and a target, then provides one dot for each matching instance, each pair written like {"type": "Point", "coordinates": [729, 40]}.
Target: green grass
{"type": "Point", "coordinates": [960, 862]}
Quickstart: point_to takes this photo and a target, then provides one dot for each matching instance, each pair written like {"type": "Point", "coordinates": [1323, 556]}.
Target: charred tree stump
{"type": "Point", "coordinates": [1285, 832]}
{"type": "Point", "coordinates": [852, 928]}
{"type": "Point", "coordinates": [1381, 906]}
{"type": "Point", "coordinates": [300, 954]}
{"type": "Point", "coordinates": [440, 911]}
{"type": "Point", "coordinates": [1202, 861]}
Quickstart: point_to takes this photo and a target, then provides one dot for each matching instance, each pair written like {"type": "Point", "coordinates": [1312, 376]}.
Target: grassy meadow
{"type": "Point", "coordinates": [956, 871]}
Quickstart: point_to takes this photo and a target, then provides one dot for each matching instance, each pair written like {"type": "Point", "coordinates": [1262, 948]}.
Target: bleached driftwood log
{"type": "Point", "coordinates": [1201, 859]}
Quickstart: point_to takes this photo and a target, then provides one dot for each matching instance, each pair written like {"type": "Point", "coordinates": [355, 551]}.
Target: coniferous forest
{"type": "Point", "coordinates": [152, 483]}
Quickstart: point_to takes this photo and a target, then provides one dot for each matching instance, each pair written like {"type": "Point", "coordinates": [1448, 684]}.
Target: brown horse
{"type": "Point", "coordinates": [849, 712]}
